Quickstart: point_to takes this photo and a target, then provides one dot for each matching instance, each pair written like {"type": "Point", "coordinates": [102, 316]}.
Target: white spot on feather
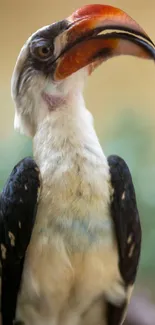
{"type": "Point", "coordinates": [12, 238]}
{"type": "Point", "coordinates": [129, 239]}
{"type": "Point", "coordinates": [3, 250]}
{"type": "Point", "coordinates": [131, 250]}
{"type": "Point", "coordinates": [123, 196]}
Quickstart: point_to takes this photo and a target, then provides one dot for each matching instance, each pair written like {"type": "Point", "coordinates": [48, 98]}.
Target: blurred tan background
{"type": "Point", "coordinates": [120, 94]}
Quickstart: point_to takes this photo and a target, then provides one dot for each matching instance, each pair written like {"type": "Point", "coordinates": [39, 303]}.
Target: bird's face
{"type": "Point", "coordinates": [54, 62]}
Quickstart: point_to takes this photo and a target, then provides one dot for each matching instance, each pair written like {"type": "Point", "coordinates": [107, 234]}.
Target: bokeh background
{"type": "Point", "coordinates": [120, 94]}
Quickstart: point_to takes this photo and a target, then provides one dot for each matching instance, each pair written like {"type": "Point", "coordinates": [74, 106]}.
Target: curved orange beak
{"type": "Point", "coordinates": [97, 33]}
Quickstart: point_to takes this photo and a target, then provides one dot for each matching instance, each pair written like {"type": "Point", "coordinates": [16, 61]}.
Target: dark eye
{"type": "Point", "coordinates": [43, 51]}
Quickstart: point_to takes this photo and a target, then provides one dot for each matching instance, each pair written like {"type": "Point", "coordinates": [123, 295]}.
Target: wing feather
{"type": "Point", "coordinates": [127, 230]}
{"type": "Point", "coordinates": [18, 204]}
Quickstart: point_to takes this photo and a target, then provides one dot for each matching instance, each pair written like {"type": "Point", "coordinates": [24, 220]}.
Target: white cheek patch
{"type": "Point", "coordinates": [17, 123]}
{"type": "Point", "coordinates": [21, 125]}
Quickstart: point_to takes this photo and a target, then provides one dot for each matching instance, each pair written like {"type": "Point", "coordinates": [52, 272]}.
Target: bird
{"type": "Point", "coordinates": [70, 228]}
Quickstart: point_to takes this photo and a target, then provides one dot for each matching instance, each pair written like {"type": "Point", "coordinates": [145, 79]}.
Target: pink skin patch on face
{"type": "Point", "coordinates": [53, 102]}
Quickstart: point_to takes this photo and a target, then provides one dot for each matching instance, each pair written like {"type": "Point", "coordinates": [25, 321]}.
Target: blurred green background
{"type": "Point", "coordinates": [120, 94]}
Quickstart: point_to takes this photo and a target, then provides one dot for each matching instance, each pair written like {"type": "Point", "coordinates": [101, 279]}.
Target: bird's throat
{"type": "Point", "coordinates": [64, 134]}
{"type": "Point", "coordinates": [54, 102]}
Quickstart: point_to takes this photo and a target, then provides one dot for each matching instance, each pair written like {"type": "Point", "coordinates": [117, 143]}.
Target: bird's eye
{"type": "Point", "coordinates": [44, 51]}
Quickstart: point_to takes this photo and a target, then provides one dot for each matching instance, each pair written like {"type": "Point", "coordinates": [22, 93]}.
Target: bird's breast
{"type": "Point", "coordinates": [74, 205]}
{"type": "Point", "coordinates": [71, 247]}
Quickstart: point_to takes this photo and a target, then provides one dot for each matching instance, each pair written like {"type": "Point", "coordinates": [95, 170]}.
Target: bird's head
{"type": "Point", "coordinates": [52, 66]}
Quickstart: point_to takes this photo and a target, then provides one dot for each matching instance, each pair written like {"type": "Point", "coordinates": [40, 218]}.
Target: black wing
{"type": "Point", "coordinates": [126, 227]}
{"type": "Point", "coordinates": [18, 204]}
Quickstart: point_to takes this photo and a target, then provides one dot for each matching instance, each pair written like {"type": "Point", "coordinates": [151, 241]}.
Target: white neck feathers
{"type": "Point", "coordinates": [66, 132]}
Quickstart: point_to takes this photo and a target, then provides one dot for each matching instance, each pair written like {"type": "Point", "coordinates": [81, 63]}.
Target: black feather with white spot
{"type": "Point", "coordinates": [127, 229]}
{"type": "Point", "coordinates": [18, 204]}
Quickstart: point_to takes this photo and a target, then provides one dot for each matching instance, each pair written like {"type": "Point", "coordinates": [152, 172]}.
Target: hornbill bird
{"type": "Point", "coordinates": [69, 255]}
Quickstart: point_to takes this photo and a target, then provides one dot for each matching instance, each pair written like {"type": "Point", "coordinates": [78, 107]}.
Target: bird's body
{"type": "Point", "coordinates": [80, 264]}
{"type": "Point", "coordinates": [75, 238]}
